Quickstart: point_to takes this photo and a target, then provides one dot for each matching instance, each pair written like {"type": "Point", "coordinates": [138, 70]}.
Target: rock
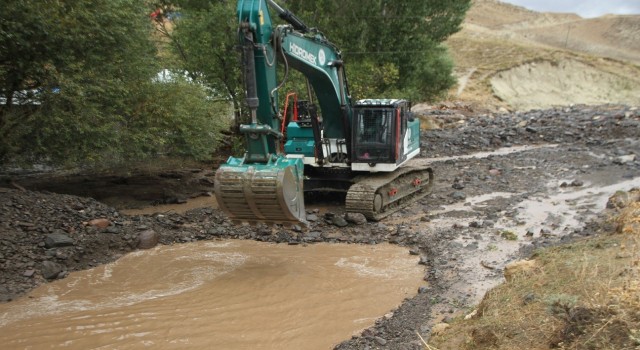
{"type": "Point", "coordinates": [624, 159]}
{"type": "Point", "coordinates": [380, 340]}
{"type": "Point", "coordinates": [112, 229]}
{"type": "Point", "coordinates": [439, 329]}
{"type": "Point", "coordinates": [147, 239]}
{"type": "Point", "coordinates": [214, 231]}
{"type": "Point", "coordinates": [472, 246]}
{"type": "Point", "coordinates": [356, 218]}
{"type": "Point", "coordinates": [458, 185]}
{"type": "Point", "coordinates": [488, 223]}
{"type": "Point", "coordinates": [495, 172]}
{"type": "Point", "coordinates": [622, 199]}
{"type": "Point", "coordinates": [458, 195]}
{"type": "Point", "coordinates": [423, 289]}
{"type": "Point", "coordinates": [339, 221]}
{"type": "Point", "coordinates": [55, 240]}
{"type": "Point", "coordinates": [312, 217]}
{"type": "Point", "coordinates": [471, 315]}
{"type": "Point", "coordinates": [312, 236]}
{"type": "Point", "coordinates": [99, 223]}
{"type": "Point", "coordinates": [423, 260]}
{"type": "Point", "coordinates": [522, 267]}
{"type": "Point", "coordinates": [282, 237]}
{"type": "Point", "coordinates": [530, 232]}
{"type": "Point", "coordinates": [4, 294]}
{"type": "Point", "coordinates": [577, 183]}
{"type": "Point", "coordinates": [29, 273]}
{"type": "Point", "coordinates": [51, 270]}
{"type": "Point", "coordinates": [531, 129]}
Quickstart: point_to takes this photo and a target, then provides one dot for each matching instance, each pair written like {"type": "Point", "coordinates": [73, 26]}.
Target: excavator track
{"type": "Point", "coordinates": [377, 196]}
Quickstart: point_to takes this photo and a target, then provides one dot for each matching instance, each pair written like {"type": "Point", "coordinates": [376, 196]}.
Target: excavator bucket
{"type": "Point", "coordinates": [270, 193]}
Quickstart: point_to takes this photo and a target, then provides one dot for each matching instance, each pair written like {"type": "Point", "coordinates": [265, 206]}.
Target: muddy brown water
{"type": "Point", "coordinates": [193, 203]}
{"type": "Point", "coordinates": [216, 295]}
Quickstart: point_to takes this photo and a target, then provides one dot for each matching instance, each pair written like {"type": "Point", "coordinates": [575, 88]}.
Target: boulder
{"type": "Point", "coordinates": [148, 239]}
{"type": "Point", "coordinates": [55, 240]}
{"type": "Point", "coordinates": [339, 221]}
{"type": "Point", "coordinates": [51, 270]}
{"type": "Point", "coordinates": [356, 218]}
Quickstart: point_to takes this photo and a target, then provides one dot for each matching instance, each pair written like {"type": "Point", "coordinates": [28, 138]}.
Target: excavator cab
{"type": "Point", "coordinates": [381, 129]}
{"type": "Point", "coordinates": [373, 135]}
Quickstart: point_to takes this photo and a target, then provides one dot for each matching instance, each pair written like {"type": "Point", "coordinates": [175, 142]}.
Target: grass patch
{"type": "Point", "coordinates": [509, 235]}
{"type": "Point", "coordinates": [584, 295]}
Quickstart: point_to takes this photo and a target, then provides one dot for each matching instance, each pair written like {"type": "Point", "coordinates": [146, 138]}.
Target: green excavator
{"type": "Point", "coordinates": [329, 144]}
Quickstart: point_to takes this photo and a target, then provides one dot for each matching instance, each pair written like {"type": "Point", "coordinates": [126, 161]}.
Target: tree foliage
{"type": "Point", "coordinates": [205, 40]}
{"type": "Point", "coordinates": [387, 36]}
{"type": "Point", "coordinates": [77, 86]}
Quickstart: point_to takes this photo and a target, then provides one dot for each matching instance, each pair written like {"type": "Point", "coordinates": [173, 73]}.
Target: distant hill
{"type": "Point", "coordinates": [510, 57]}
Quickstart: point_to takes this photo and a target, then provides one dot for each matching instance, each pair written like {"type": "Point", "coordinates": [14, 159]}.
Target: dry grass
{"type": "Point", "coordinates": [584, 295]}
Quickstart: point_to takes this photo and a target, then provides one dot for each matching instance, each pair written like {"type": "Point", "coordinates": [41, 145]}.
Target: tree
{"type": "Point", "coordinates": [204, 40]}
{"type": "Point", "coordinates": [402, 35]}
{"type": "Point", "coordinates": [89, 68]}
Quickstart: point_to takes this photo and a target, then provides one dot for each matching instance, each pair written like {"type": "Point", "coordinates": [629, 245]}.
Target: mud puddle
{"type": "Point", "coordinates": [217, 295]}
{"type": "Point", "coordinates": [488, 250]}
{"type": "Point", "coordinates": [479, 155]}
{"type": "Point", "coordinates": [193, 203]}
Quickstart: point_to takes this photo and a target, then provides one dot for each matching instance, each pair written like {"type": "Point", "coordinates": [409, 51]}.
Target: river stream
{"type": "Point", "coordinates": [216, 295]}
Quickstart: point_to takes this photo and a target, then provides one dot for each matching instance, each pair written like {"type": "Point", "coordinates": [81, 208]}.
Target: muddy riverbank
{"type": "Point", "coordinates": [485, 210]}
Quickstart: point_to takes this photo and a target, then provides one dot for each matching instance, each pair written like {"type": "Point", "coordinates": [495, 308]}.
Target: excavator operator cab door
{"type": "Point", "coordinates": [374, 132]}
{"type": "Point", "coordinates": [381, 137]}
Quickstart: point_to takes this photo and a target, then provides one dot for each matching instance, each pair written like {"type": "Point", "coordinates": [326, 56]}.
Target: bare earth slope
{"type": "Point", "coordinates": [508, 56]}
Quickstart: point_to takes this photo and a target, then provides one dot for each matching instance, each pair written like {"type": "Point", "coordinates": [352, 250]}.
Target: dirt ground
{"type": "Point", "coordinates": [505, 185]}
{"type": "Point", "coordinates": [509, 57]}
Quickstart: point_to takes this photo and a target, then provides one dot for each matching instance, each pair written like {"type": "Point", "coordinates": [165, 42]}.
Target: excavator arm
{"type": "Point", "coordinates": [263, 185]}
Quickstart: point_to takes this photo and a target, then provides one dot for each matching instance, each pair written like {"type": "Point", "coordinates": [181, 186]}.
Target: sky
{"type": "Point", "coordinates": [584, 8]}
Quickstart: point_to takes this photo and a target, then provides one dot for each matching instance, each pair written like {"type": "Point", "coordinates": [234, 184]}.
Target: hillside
{"type": "Point", "coordinates": [509, 57]}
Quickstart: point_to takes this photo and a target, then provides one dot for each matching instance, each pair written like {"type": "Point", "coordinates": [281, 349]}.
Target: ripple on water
{"type": "Point", "coordinates": [229, 294]}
